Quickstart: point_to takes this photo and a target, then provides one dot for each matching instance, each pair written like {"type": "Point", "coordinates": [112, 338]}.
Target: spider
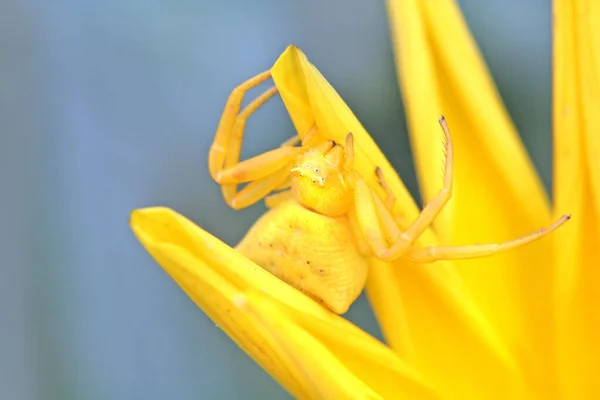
{"type": "Point", "coordinates": [324, 220]}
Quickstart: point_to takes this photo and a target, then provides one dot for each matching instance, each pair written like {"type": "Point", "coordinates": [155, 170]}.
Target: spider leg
{"type": "Point", "coordinates": [361, 241]}
{"type": "Point", "coordinates": [435, 253]}
{"type": "Point", "coordinates": [377, 222]}
{"type": "Point", "coordinates": [294, 140]}
{"type": "Point", "coordinates": [256, 190]}
{"type": "Point", "coordinates": [308, 139]}
{"type": "Point", "coordinates": [274, 200]}
{"type": "Point", "coordinates": [380, 227]}
{"type": "Point", "coordinates": [406, 239]}
{"type": "Point", "coordinates": [390, 196]}
{"type": "Point", "coordinates": [221, 145]}
{"type": "Point", "coordinates": [374, 221]}
{"type": "Point", "coordinates": [260, 166]}
{"type": "Point", "coordinates": [257, 167]}
{"type": "Point", "coordinates": [224, 155]}
{"type": "Point", "coordinates": [285, 184]}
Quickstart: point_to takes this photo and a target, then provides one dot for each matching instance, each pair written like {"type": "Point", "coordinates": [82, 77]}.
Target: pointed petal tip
{"type": "Point", "coordinates": [140, 219]}
{"type": "Point", "coordinates": [289, 51]}
{"type": "Point", "coordinates": [139, 214]}
{"type": "Point", "coordinates": [291, 59]}
{"type": "Point", "coordinates": [135, 216]}
{"type": "Point", "coordinates": [293, 48]}
{"type": "Point", "coordinates": [160, 225]}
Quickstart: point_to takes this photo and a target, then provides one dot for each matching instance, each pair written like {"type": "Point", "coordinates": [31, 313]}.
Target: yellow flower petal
{"type": "Point", "coordinates": [442, 325]}
{"type": "Point", "coordinates": [215, 277]}
{"type": "Point", "coordinates": [497, 194]}
{"type": "Point", "coordinates": [576, 188]}
{"type": "Point", "coordinates": [310, 99]}
{"type": "Point", "coordinates": [338, 366]}
{"type": "Point", "coordinates": [171, 240]}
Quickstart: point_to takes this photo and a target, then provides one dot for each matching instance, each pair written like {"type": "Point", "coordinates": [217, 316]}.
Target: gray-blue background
{"type": "Point", "coordinates": [108, 106]}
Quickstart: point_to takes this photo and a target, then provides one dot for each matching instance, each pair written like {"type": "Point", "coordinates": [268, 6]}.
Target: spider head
{"type": "Point", "coordinates": [318, 180]}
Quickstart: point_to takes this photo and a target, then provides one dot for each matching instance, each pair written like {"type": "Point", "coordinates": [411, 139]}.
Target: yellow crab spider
{"type": "Point", "coordinates": [324, 220]}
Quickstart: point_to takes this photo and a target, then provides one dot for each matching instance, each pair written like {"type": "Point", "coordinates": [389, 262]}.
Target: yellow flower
{"type": "Point", "coordinates": [521, 324]}
{"type": "Point", "coordinates": [542, 300]}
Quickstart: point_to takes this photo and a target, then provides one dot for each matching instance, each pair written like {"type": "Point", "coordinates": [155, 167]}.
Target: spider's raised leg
{"type": "Point", "coordinates": [224, 155]}
{"type": "Point", "coordinates": [257, 190]}
{"type": "Point", "coordinates": [377, 222]}
{"type": "Point", "coordinates": [220, 147]}
{"type": "Point", "coordinates": [383, 229]}
{"type": "Point", "coordinates": [435, 253]}
{"type": "Point", "coordinates": [390, 196]}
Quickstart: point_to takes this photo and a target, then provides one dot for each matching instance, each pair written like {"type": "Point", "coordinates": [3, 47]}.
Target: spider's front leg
{"type": "Point", "coordinates": [265, 172]}
{"type": "Point", "coordinates": [380, 228]}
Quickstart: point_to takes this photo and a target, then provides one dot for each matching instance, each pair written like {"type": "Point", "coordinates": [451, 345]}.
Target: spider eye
{"type": "Point", "coordinates": [316, 169]}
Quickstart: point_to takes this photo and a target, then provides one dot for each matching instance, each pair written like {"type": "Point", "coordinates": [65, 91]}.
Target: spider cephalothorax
{"type": "Point", "coordinates": [320, 181]}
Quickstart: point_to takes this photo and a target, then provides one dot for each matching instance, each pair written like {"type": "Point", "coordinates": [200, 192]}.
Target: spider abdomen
{"type": "Point", "coordinates": [314, 253]}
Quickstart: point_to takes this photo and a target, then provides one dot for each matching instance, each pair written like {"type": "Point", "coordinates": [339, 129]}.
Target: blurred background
{"type": "Point", "coordinates": [110, 106]}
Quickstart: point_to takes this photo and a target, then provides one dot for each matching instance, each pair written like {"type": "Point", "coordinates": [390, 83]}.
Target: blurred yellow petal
{"type": "Point", "coordinates": [440, 324]}
{"type": "Point", "coordinates": [296, 333]}
{"type": "Point", "coordinates": [338, 366]}
{"type": "Point", "coordinates": [497, 194]}
{"type": "Point", "coordinates": [577, 188]}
